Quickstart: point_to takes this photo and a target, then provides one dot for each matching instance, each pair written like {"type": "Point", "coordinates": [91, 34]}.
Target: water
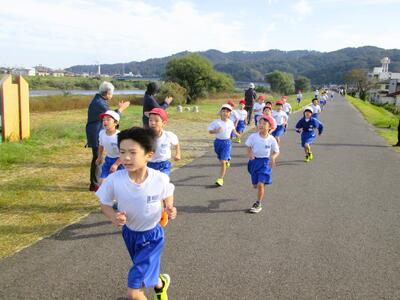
{"type": "Point", "coordinates": [38, 93]}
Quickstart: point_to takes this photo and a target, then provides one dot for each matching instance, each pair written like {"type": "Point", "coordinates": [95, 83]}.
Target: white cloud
{"type": "Point", "coordinates": [302, 8]}
{"type": "Point", "coordinates": [114, 31]}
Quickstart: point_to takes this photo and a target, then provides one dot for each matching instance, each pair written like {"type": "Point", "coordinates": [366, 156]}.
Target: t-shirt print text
{"type": "Point", "coordinates": [152, 199]}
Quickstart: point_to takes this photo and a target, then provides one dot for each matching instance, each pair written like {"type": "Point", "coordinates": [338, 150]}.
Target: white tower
{"type": "Point", "coordinates": [98, 70]}
{"type": "Point", "coordinates": [385, 64]}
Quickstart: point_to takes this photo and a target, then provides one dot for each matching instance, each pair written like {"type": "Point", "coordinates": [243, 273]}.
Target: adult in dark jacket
{"type": "Point", "coordinates": [149, 102]}
{"type": "Point", "coordinates": [249, 97]}
{"type": "Point", "coordinates": [97, 106]}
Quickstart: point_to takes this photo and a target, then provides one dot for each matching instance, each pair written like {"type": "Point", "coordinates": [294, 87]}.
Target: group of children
{"type": "Point", "coordinates": [137, 195]}
{"type": "Point", "coordinates": [263, 145]}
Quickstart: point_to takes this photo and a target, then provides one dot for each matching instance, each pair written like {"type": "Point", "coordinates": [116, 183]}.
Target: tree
{"type": "Point", "coordinates": [359, 79]}
{"type": "Point", "coordinates": [197, 75]}
{"type": "Point", "coordinates": [302, 83]}
{"type": "Point", "coordinates": [281, 82]}
{"type": "Point", "coordinates": [174, 90]}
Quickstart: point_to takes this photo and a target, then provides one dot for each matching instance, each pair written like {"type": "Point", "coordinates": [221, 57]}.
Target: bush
{"type": "Point", "coordinates": [172, 89]}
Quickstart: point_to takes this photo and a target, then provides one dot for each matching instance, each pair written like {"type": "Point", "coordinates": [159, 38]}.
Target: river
{"type": "Point", "coordinates": [38, 93]}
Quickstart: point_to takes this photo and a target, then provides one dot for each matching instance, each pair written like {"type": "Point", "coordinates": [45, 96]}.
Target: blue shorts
{"type": "Point", "coordinates": [279, 131]}
{"type": "Point", "coordinates": [316, 115]}
{"type": "Point", "coordinates": [260, 171]}
{"type": "Point", "coordinates": [162, 166]}
{"type": "Point", "coordinates": [145, 249]}
{"type": "Point", "coordinates": [241, 125]}
{"type": "Point", "coordinates": [223, 149]}
{"type": "Point", "coordinates": [307, 138]}
{"type": "Point", "coordinates": [108, 162]}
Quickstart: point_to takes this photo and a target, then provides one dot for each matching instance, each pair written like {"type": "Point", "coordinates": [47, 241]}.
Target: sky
{"type": "Point", "coordinates": [63, 33]}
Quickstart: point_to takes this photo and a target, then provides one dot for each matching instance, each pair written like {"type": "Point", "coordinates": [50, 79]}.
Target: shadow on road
{"type": "Point", "coordinates": [212, 208]}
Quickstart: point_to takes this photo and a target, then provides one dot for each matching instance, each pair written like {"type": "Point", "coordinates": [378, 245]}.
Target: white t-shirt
{"type": "Point", "coordinates": [141, 202]}
{"type": "Point", "coordinates": [164, 143]}
{"type": "Point", "coordinates": [262, 147]}
{"type": "Point", "coordinates": [279, 117]}
{"type": "Point", "coordinates": [316, 93]}
{"type": "Point", "coordinates": [110, 143]}
{"type": "Point", "coordinates": [287, 107]}
{"type": "Point", "coordinates": [299, 95]}
{"type": "Point", "coordinates": [242, 114]}
{"type": "Point", "coordinates": [227, 128]}
{"type": "Point", "coordinates": [316, 108]}
{"type": "Point", "coordinates": [234, 116]}
{"type": "Point", "coordinates": [259, 106]}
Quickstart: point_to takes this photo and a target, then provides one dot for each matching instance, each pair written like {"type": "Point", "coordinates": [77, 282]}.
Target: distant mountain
{"type": "Point", "coordinates": [320, 67]}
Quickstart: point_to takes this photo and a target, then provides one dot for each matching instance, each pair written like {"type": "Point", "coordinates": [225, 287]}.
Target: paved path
{"type": "Point", "coordinates": [330, 229]}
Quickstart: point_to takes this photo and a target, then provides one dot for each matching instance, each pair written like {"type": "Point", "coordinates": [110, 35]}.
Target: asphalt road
{"type": "Point", "coordinates": [330, 229]}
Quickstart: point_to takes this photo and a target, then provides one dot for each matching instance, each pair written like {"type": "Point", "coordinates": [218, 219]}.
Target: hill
{"type": "Point", "coordinates": [320, 67]}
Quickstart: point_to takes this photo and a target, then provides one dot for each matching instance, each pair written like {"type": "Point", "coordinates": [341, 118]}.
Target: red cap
{"type": "Point", "coordinates": [242, 102]}
{"type": "Point", "coordinates": [269, 119]}
{"type": "Point", "coordinates": [231, 103]}
{"type": "Point", "coordinates": [279, 102]}
{"type": "Point", "coordinates": [262, 97]}
{"type": "Point", "coordinates": [159, 111]}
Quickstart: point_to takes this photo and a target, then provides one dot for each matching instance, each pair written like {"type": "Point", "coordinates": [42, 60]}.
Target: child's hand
{"type": "Point", "coordinates": [113, 168]}
{"type": "Point", "coordinates": [119, 218]}
{"type": "Point", "coordinates": [177, 157]}
{"type": "Point", "coordinates": [299, 130]}
{"type": "Point", "coordinates": [219, 129]}
{"type": "Point", "coordinates": [272, 162]}
{"type": "Point", "coordinates": [171, 211]}
{"type": "Point", "coordinates": [99, 161]}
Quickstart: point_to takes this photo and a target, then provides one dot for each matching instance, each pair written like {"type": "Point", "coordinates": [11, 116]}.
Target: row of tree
{"type": "Point", "coordinates": [194, 76]}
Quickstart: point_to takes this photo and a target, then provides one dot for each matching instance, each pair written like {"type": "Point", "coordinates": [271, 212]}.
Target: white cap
{"type": "Point", "coordinates": [308, 108]}
{"type": "Point", "coordinates": [111, 113]}
{"type": "Point", "coordinates": [251, 85]}
{"type": "Point", "coordinates": [226, 106]}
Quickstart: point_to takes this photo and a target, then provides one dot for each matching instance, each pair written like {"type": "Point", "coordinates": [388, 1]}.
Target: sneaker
{"type": "Point", "coordinates": [310, 156]}
{"type": "Point", "coordinates": [228, 164]}
{"type": "Point", "coordinates": [93, 188]}
{"type": "Point", "coordinates": [256, 208]}
{"type": "Point", "coordinates": [161, 294]}
{"type": "Point", "coordinates": [238, 141]}
{"type": "Point", "coordinates": [307, 159]}
{"type": "Point", "coordinates": [219, 181]}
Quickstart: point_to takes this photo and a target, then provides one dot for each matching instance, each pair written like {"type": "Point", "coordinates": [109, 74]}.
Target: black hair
{"type": "Point", "coordinates": [152, 88]}
{"type": "Point", "coordinates": [145, 137]}
{"type": "Point", "coordinates": [314, 99]}
{"type": "Point", "coordinates": [268, 102]}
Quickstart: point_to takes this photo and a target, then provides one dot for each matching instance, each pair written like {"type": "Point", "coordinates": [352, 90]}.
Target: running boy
{"type": "Point", "coordinates": [141, 193]}
{"type": "Point", "coordinates": [281, 119]}
{"type": "Point", "coordinates": [242, 113]}
{"type": "Point", "coordinates": [108, 144]}
{"type": "Point", "coordinates": [299, 96]}
{"type": "Point", "coordinates": [262, 151]}
{"type": "Point", "coordinates": [258, 108]}
{"type": "Point", "coordinates": [234, 117]}
{"type": "Point", "coordinates": [316, 109]}
{"type": "Point", "coordinates": [307, 126]}
{"type": "Point", "coordinates": [160, 160]}
{"type": "Point", "coordinates": [222, 145]}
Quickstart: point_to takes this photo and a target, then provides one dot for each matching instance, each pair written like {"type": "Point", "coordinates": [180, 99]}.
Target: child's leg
{"type": "Point", "coordinates": [223, 168]}
{"type": "Point", "coordinates": [136, 294]}
{"type": "Point", "coordinates": [307, 148]}
{"type": "Point", "coordinates": [260, 191]}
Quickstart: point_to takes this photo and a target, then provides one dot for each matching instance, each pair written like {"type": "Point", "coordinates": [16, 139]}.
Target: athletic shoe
{"type": "Point", "coordinates": [310, 156]}
{"type": "Point", "coordinates": [161, 294]}
{"type": "Point", "coordinates": [228, 164]}
{"type": "Point", "coordinates": [307, 159]}
{"type": "Point", "coordinates": [256, 208]}
{"type": "Point", "coordinates": [219, 181]}
{"type": "Point", "coordinates": [93, 188]}
{"type": "Point", "coordinates": [238, 141]}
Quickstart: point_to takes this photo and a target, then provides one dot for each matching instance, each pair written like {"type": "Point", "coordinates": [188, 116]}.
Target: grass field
{"type": "Point", "coordinates": [44, 180]}
{"type": "Point", "coordinates": [384, 121]}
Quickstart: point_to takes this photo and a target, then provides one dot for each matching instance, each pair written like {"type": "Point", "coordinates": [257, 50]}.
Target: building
{"type": "Point", "coordinates": [42, 71]}
{"type": "Point", "coordinates": [24, 71]}
{"type": "Point", "coordinates": [387, 89]}
{"type": "Point", "coordinates": [58, 73]}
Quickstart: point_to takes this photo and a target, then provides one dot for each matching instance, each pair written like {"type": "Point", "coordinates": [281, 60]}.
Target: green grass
{"type": "Point", "coordinates": [384, 121]}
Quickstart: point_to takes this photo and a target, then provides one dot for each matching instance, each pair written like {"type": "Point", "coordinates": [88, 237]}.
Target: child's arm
{"type": "Point", "coordinates": [117, 218]}
{"type": "Point", "coordinates": [100, 155]}
{"type": "Point", "coordinates": [115, 165]}
{"type": "Point", "coordinates": [320, 128]}
{"type": "Point", "coordinates": [214, 131]}
{"type": "Point", "coordinates": [299, 127]}
{"type": "Point", "coordinates": [169, 207]}
{"type": "Point", "coordinates": [177, 152]}
{"type": "Point", "coordinates": [236, 133]}
{"type": "Point", "coordinates": [250, 154]}
{"type": "Point", "coordinates": [273, 157]}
